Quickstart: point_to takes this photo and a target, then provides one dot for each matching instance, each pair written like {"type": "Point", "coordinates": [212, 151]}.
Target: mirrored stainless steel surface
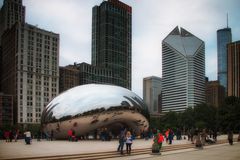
{"type": "Point", "coordinates": [88, 108]}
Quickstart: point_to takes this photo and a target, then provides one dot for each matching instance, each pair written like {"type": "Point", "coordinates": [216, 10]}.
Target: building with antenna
{"type": "Point", "coordinates": [224, 36]}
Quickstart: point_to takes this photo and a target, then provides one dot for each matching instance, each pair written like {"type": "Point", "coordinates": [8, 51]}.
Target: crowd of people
{"type": "Point", "coordinates": [11, 135]}
{"type": "Point", "coordinates": [126, 137]}
{"type": "Point", "coordinates": [14, 135]}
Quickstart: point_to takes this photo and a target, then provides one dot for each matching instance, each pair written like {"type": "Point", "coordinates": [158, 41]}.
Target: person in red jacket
{"type": "Point", "coordinates": [69, 135]}
{"type": "Point", "coordinates": [160, 140]}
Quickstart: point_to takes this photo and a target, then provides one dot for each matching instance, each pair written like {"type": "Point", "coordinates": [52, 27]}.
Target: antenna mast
{"type": "Point", "coordinates": [227, 20]}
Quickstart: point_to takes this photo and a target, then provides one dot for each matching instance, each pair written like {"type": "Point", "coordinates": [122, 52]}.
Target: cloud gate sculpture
{"type": "Point", "coordinates": [87, 109]}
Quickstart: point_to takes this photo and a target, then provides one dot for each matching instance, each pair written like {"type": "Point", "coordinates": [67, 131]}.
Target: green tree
{"type": "Point", "coordinates": [229, 114]}
{"type": "Point", "coordinates": [170, 120]}
{"type": "Point", "coordinates": [205, 115]}
{"type": "Point", "coordinates": [187, 118]}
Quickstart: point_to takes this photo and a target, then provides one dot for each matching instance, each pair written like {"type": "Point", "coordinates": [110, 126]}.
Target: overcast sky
{"type": "Point", "coordinates": [152, 21]}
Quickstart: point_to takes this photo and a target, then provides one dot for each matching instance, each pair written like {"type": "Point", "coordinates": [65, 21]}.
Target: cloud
{"type": "Point", "coordinates": [67, 18]}
{"type": "Point", "coordinates": [152, 21]}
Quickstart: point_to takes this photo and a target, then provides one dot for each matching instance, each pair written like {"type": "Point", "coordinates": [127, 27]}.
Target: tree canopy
{"type": "Point", "coordinates": [224, 118]}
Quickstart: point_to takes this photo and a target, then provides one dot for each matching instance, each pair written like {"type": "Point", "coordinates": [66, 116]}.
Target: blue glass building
{"type": "Point", "coordinates": [224, 36]}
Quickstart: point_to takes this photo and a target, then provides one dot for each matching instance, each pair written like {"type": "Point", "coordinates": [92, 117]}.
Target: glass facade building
{"type": "Point", "coordinates": [224, 36]}
{"type": "Point", "coordinates": [112, 40]}
{"type": "Point", "coordinates": [183, 66]}
{"type": "Point", "coordinates": [152, 89]}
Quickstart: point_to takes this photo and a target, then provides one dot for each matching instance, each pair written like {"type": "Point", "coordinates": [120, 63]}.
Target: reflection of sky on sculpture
{"type": "Point", "coordinates": [84, 98]}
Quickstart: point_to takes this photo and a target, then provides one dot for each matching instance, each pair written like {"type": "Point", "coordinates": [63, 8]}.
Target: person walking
{"type": "Point", "coordinates": [121, 141]}
{"type": "Point", "coordinates": [27, 137]}
{"type": "Point", "coordinates": [170, 136]}
{"type": "Point", "coordinates": [230, 137]}
{"type": "Point", "coordinates": [129, 141]}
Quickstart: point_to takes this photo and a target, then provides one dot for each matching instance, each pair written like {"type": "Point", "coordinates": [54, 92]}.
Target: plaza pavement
{"type": "Point", "coordinates": [213, 152]}
{"type": "Point", "coordinates": [50, 148]}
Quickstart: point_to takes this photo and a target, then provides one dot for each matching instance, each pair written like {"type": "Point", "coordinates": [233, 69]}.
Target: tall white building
{"type": "Point", "coordinates": [152, 88]}
{"type": "Point", "coordinates": [29, 63]}
{"type": "Point", "coordinates": [30, 70]}
{"type": "Point", "coordinates": [183, 71]}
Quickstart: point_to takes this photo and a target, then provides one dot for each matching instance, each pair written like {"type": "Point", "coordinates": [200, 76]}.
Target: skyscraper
{"type": "Point", "coordinates": [152, 89]}
{"type": "Point", "coordinates": [30, 60]}
{"type": "Point", "coordinates": [11, 12]}
{"type": "Point", "coordinates": [30, 70]}
{"type": "Point", "coordinates": [224, 36]}
{"type": "Point", "coordinates": [215, 94]}
{"type": "Point", "coordinates": [112, 40]}
{"type": "Point", "coordinates": [233, 69]}
{"type": "Point", "coordinates": [183, 71]}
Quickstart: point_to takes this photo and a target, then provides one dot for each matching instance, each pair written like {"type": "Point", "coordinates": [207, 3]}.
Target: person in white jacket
{"type": "Point", "coordinates": [27, 137]}
{"type": "Point", "coordinates": [129, 142]}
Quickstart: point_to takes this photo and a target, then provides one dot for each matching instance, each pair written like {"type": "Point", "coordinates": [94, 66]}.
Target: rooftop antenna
{"type": "Point", "coordinates": [227, 20]}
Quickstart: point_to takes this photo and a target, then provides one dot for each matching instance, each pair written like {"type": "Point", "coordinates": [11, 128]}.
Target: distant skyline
{"type": "Point", "coordinates": [152, 21]}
